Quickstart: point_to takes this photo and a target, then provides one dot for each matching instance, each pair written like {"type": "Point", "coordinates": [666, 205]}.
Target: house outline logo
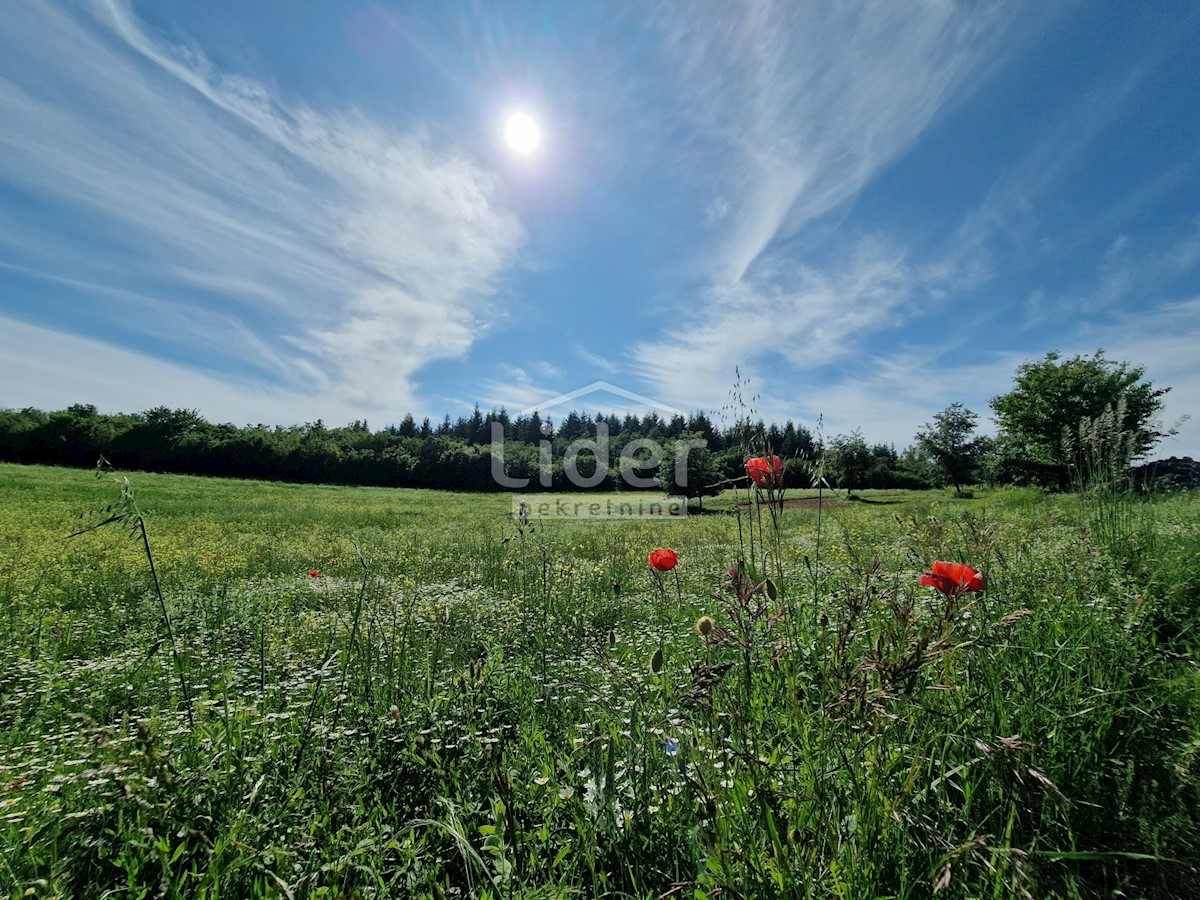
{"type": "Point", "coordinates": [599, 447]}
{"type": "Point", "coordinates": [597, 387]}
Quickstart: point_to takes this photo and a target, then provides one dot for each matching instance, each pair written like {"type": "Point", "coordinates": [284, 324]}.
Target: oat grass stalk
{"type": "Point", "coordinates": [125, 509]}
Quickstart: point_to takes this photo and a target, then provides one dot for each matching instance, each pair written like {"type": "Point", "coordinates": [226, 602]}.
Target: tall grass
{"type": "Point", "coordinates": [469, 708]}
{"type": "Point", "coordinates": [1101, 452]}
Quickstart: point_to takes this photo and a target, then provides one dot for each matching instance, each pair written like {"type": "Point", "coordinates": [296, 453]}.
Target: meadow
{"type": "Point", "coordinates": [368, 692]}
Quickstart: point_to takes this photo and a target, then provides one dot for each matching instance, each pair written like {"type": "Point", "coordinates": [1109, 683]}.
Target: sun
{"type": "Point", "coordinates": [522, 134]}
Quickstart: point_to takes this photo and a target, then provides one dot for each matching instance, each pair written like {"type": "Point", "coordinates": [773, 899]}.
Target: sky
{"type": "Point", "coordinates": [286, 211]}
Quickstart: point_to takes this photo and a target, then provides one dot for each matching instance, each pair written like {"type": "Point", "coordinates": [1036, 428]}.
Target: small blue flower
{"type": "Point", "coordinates": [672, 747]}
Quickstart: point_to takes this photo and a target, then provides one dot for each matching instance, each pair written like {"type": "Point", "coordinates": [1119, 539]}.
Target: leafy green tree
{"type": "Point", "coordinates": [882, 471]}
{"type": "Point", "coordinates": [950, 440]}
{"type": "Point", "coordinates": [1050, 397]}
{"type": "Point", "coordinates": [916, 469]}
{"type": "Point", "coordinates": [849, 461]}
{"type": "Point", "coordinates": [704, 474]}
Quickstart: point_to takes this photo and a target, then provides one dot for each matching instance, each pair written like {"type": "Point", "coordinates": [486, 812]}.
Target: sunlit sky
{"type": "Point", "coordinates": [280, 211]}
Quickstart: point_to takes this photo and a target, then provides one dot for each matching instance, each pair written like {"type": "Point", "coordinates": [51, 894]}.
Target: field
{"type": "Point", "coordinates": [345, 692]}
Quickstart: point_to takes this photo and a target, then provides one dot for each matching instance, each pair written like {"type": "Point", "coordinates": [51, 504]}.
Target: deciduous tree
{"type": "Point", "coordinates": [950, 440]}
{"type": "Point", "coordinates": [1054, 393]}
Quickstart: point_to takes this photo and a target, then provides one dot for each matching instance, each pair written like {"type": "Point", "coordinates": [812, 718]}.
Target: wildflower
{"type": "Point", "coordinates": [766, 471]}
{"type": "Point", "coordinates": [704, 626]}
{"type": "Point", "coordinates": [953, 578]}
{"type": "Point", "coordinates": [566, 793]}
{"type": "Point", "coordinates": [314, 573]}
{"type": "Point", "coordinates": [663, 560]}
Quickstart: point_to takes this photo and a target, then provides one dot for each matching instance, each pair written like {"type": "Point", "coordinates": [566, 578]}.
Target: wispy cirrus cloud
{"type": "Point", "coordinates": [803, 317]}
{"type": "Point", "coordinates": [1129, 267]}
{"type": "Point", "coordinates": [339, 254]}
{"type": "Point", "coordinates": [810, 105]}
{"type": "Point", "coordinates": [802, 106]}
{"type": "Point", "coordinates": [805, 103]}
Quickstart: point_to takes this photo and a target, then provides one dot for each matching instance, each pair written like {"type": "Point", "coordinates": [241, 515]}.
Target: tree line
{"type": "Point", "coordinates": [1036, 419]}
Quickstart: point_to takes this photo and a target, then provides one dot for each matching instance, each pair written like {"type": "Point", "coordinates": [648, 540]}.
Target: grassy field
{"type": "Point", "coordinates": [471, 709]}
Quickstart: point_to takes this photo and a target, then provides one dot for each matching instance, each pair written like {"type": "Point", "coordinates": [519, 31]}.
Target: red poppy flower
{"type": "Point", "coordinates": [314, 573]}
{"type": "Point", "coordinates": [953, 578]}
{"type": "Point", "coordinates": [663, 559]}
{"type": "Point", "coordinates": [767, 471]}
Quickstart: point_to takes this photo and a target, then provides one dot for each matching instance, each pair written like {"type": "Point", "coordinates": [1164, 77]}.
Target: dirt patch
{"type": "Point", "coordinates": [807, 503]}
{"type": "Point", "coordinates": [811, 503]}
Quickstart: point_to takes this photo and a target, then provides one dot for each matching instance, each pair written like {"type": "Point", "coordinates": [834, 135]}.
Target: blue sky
{"type": "Point", "coordinates": [281, 211]}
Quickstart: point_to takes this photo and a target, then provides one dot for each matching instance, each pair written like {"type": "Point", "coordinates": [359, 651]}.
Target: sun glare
{"type": "Point", "coordinates": [522, 134]}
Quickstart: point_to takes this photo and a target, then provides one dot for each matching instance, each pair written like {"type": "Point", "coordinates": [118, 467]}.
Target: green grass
{"type": "Point", "coordinates": [469, 710]}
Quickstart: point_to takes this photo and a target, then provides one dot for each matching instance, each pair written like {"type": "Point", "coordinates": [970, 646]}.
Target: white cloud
{"type": "Point", "coordinates": [804, 317]}
{"type": "Point", "coordinates": [340, 253]}
{"type": "Point", "coordinates": [603, 363]}
{"type": "Point", "coordinates": [1164, 340]}
{"type": "Point", "coordinates": [118, 380]}
{"type": "Point", "coordinates": [1184, 255]}
{"type": "Point", "coordinates": [1127, 269]}
{"type": "Point", "coordinates": [717, 210]}
{"type": "Point", "coordinates": [804, 105]}
{"type": "Point", "coordinates": [515, 389]}
{"type": "Point", "coordinates": [807, 102]}
{"type": "Point", "coordinates": [889, 399]}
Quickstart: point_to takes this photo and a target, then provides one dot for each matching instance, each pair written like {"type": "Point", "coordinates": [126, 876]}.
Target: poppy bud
{"type": "Point", "coordinates": [656, 661]}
